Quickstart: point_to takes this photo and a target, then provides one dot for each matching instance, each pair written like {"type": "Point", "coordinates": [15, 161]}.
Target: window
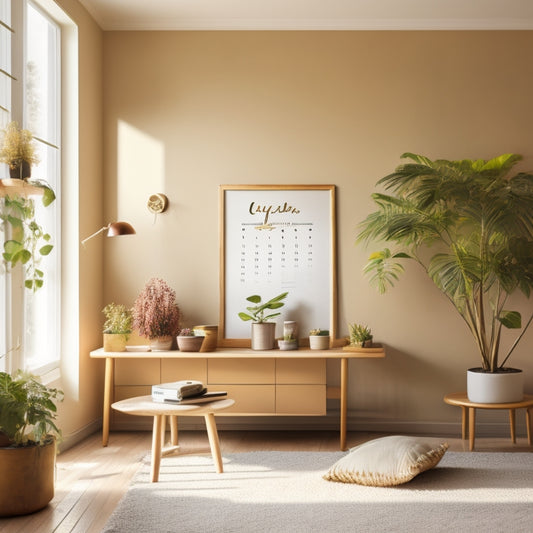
{"type": "Point", "coordinates": [30, 320]}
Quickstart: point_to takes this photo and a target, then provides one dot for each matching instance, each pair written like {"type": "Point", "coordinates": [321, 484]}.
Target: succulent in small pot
{"type": "Point", "coordinates": [117, 327]}
{"type": "Point", "coordinates": [289, 342]}
{"type": "Point", "coordinates": [188, 341]}
{"type": "Point", "coordinates": [319, 339]}
{"type": "Point", "coordinates": [360, 336]}
{"type": "Point", "coordinates": [156, 314]}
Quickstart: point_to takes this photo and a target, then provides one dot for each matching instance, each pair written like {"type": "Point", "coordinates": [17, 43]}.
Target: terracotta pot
{"type": "Point", "coordinates": [115, 342]}
{"type": "Point", "coordinates": [161, 344]}
{"type": "Point", "coordinates": [263, 335]}
{"type": "Point", "coordinates": [504, 386]}
{"type": "Point", "coordinates": [26, 478]}
{"type": "Point", "coordinates": [189, 343]}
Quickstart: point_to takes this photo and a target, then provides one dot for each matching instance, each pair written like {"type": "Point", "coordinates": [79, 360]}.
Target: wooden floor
{"type": "Point", "coordinates": [91, 479]}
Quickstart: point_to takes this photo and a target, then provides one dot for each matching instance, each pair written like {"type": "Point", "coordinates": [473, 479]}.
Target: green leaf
{"type": "Point", "coordinates": [12, 247]}
{"type": "Point", "coordinates": [255, 298]}
{"type": "Point", "coordinates": [28, 284]}
{"type": "Point", "coordinates": [245, 317]}
{"type": "Point", "coordinates": [511, 319]}
{"type": "Point", "coordinates": [48, 196]}
{"type": "Point", "coordinates": [45, 250]}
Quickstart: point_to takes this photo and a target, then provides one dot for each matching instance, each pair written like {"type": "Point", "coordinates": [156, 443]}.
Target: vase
{"type": "Point", "coordinates": [503, 386]}
{"type": "Point", "coordinates": [161, 344]}
{"type": "Point", "coordinates": [190, 343]}
{"type": "Point", "coordinates": [21, 171]}
{"type": "Point", "coordinates": [210, 334]}
{"type": "Point", "coordinates": [263, 335]}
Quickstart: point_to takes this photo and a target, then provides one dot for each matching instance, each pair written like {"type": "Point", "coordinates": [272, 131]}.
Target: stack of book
{"type": "Point", "coordinates": [185, 392]}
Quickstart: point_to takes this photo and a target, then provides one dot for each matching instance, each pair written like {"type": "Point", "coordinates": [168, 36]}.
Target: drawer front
{"type": "Point", "coordinates": [182, 369]}
{"type": "Point", "coordinates": [301, 371]}
{"type": "Point", "coordinates": [301, 399]}
{"type": "Point", "coordinates": [137, 372]}
{"type": "Point", "coordinates": [241, 371]}
{"type": "Point", "coordinates": [249, 399]}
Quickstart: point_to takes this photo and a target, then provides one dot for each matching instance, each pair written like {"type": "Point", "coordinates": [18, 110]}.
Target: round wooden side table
{"type": "Point", "coordinates": [468, 408]}
{"type": "Point", "coordinates": [144, 406]}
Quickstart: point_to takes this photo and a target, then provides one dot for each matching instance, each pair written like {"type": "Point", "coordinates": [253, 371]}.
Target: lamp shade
{"type": "Point", "coordinates": [120, 228]}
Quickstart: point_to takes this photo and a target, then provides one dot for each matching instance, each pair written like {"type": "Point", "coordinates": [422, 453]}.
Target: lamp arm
{"type": "Point", "coordinates": [94, 234]}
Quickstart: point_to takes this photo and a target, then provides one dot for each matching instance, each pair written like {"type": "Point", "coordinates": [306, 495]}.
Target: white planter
{"type": "Point", "coordinates": [288, 345]}
{"type": "Point", "coordinates": [319, 342]}
{"type": "Point", "coordinates": [263, 335]}
{"type": "Point", "coordinates": [495, 387]}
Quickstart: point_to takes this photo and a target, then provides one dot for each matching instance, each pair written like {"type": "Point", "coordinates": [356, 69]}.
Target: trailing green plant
{"type": "Point", "coordinates": [359, 334]}
{"type": "Point", "coordinates": [480, 220]}
{"type": "Point", "coordinates": [28, 243]}
{"type": "Point", "coordinates": [118, 319]}
{"type": "Point", "coordinates": [257, 314]}
{"type": "Point", "coordinates": [27, 409]}
{"type": "Point", "coordinates": [319, 332]}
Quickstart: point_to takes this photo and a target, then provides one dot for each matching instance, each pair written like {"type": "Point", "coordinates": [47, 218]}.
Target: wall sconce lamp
{"type": "Point", "coordinates": [113, 230]}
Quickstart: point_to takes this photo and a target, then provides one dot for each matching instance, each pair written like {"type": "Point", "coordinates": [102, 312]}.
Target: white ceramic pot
{"type": "Point", "coordinates": [263, 335]}
{"type": "Point", "coordinates": [495, 387]}
{"type": "Point", "coordinates": [319, 342]}
{"type": "Point", "coordinates": [161, 344]}
{"type": "Point", "coordinates": [288, 345]}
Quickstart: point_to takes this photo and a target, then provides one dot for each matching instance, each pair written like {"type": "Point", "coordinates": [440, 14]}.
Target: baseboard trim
{"type": "Point", "coordinates": [80, 434]}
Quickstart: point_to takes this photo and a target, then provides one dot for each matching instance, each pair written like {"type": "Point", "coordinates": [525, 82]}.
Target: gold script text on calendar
{"type": "Point", "coordinates": [271, 210]}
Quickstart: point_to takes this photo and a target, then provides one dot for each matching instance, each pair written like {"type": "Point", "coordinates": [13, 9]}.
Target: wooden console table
{"type": "Point", "coordinates": [468, 419]}
{"type": "Point", "coordinates": [245, 355]}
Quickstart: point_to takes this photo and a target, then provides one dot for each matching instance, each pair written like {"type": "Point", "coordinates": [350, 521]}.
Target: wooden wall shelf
{"type": "Point", "coordinates": [17, 187]}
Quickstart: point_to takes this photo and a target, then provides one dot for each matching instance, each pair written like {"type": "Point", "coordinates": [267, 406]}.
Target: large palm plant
{"type": "Point", "coordinates": [480, 222]}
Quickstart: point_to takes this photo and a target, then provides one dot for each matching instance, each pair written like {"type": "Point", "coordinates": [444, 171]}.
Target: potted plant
{"type": "Point", "coordinates": [27, 242]}
{"type": "Point", "coordinates": [117, 327]}
{"type": "Point", "coordinates": [156, 314]}
{"type": "Point", "coordinates": [18, 151]}
{"type": "Point", "coordinates": [360, 336]}
{"type": "Point", "coordinates": [188, 341]}
{"type": "Point", "coordinates": [28, 443]}
{"type": "Point", "coordinates": [480, 220]}
{"type": "Point", "coordinates": [319, 339]}
{"type": "Point", "coordinates": [288, 342]}
{"type": "Point", "coordinates": [263, 331]}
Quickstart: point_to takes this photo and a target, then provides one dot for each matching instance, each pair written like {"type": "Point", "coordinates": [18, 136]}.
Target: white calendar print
{"type": "Point", "coordinates": [278, 240]}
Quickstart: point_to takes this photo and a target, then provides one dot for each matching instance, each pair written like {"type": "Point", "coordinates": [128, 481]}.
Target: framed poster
{"type": "Point", "coordinates": [273, 239]}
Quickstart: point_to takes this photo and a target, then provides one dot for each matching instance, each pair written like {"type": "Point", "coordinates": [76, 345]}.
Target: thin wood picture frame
{"type": "Point", "coordinates": [274, 239]}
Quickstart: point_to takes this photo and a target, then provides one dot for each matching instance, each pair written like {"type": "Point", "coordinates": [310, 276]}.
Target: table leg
{"type": "Point", "coordinates": [528, 425]}
{"type": "Point", "coordinates": [471, 427]}
{"type": "Point", "coordinates": [156, 448]}
{"type": "Point", "coordinates": [464, 422]}
{"type": "Point", "coordinates": [213, 441]}
{"type": "Point", "coordinates": [512, 419]}
{"type": "Point", "coordinates": [108, 386]}
{"type": "Point", "coordinates": [174, 430]}
{"type": "Point", "coordinates": [344, 401]}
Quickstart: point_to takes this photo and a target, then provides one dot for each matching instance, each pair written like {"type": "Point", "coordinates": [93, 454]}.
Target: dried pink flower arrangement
{"type": "Point", "coordinates": [156, 313]}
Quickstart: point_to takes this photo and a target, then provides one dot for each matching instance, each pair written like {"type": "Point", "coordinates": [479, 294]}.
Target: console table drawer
{"type": "Point", "coordinates": [137, 371]}
{"type": "Point", "coordinates": [182, 369]}
{"type": "Point", "coordinates": [301, 399]}
{"type": "Point", "coordinates": [241, 371]}
{"type": "Point", "coordinates": [249, 399]}
{"type": "Point", "coordinates": [301, 371]}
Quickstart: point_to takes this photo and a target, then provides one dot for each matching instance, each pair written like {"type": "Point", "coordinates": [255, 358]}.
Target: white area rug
{"type": "Point", "coordinates": [284, 492]}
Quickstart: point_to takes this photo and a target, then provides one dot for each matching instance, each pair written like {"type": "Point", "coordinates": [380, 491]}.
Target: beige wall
{"type": "Point", "coordinates": [187, 111]}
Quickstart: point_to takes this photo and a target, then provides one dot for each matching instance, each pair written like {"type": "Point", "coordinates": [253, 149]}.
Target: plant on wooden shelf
{"type": "Point", "coordinates": [18, 151]}
{"type": "Point", "coordinates": [319, 339]}
{"type": "Point", "coordinates": [263, 331]}
{"type": "Point", "coordinates": [360, 336]}
{"type": "Point", "coordinates": [118, 326]}
{"type": "Point", "coordinates": [188, 341]}
{"type": "Point", "coordinates": [156, 314]}
{"type": "Point", "coordinates": [28, 443]}
{"type": "Point", "coordinates": [289, 342]}
{"type": "Point", "coordinates": [480, 220]}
